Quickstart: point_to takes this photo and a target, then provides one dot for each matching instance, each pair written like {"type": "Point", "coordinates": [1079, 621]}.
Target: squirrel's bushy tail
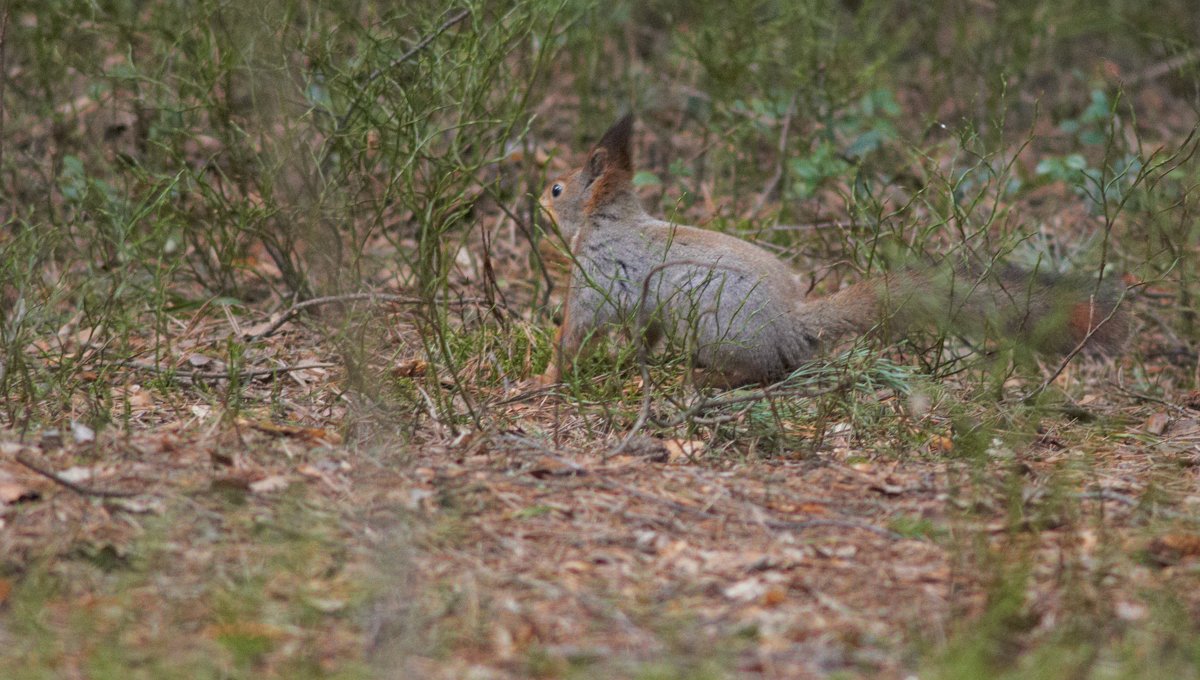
{"type": "Point", "coordinates": [1045, 313]}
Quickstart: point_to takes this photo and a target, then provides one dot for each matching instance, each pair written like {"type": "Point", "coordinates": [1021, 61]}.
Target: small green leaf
{"type": "Point", "coordinates": [866, 143]}
{"type": "Point", "coordinates": [533, 511]}
{"type": "Point", "coordinates": [645, 178]}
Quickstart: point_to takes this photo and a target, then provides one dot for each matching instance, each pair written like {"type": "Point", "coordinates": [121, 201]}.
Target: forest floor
{"type": "Point", "coordinates": [203, 536]}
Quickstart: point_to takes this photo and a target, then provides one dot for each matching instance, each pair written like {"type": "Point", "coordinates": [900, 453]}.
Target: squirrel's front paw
{"type": "Point", "coordinates": [536, 383]}
{"type": "Point", "coordinates": [547, 379]}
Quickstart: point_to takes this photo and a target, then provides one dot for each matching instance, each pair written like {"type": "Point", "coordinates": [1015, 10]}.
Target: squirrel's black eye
{"type": "Point", "coordinates": [556, 190]}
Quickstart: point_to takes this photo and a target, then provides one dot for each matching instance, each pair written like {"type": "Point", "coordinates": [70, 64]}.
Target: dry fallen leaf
{"type": "Point", "coordinates": [138, 398]}
{"type": "Point", "coordinates": [313, 434]}
{"type": "Point", "coordinates": [322, 473]}
{"type": "Point", "coordinates": [576, 566]}
{"type": "Point", "coordinates": [774, 596]}
{"type": "Point", "coordinates": [548, 466]}
{"type": "Point", "coordinates": [681, 450]}
{"type": "Point", "coordinates": [245, 629]}
{"type": "Point", "coordinates": [270, 484]}
{"type": "Point", "coordinates": [1192, 400]}
{"type": "Point", "coordinates": [1127, 610]}
{"type": "Point", "coordinates": [1157, 423]}
{"type": "Point", "coordinates": [410, 368]}
{"type": "Point", "coordinates": [82, 433]}
{"type": "Point", "coordinates": [941, 444]}
{"type": "Point", "coordinates": [746, 590]}
{"type": "Point", "coordinates": [12, 492]}
{"type": "Point", "coordinates": [840, 551]}
{"type": "Point", "coordinates": [234, 482]}
{"type": "Point", "coordinates": [887, 486]}
{"type": "Point", "coordinates": [326, 605]}
{"type": "Point", "coordinates": [199, 360]}
{"type": "Point", "coordinates": [136, 506]}
{"type": "Point", "coordinates": [77, 474]}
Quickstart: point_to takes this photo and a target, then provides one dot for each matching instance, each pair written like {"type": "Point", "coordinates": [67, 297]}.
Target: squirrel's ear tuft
{"type": "Point", "coordinates": [597, 163]}
{"type": "Point", "coordinates": [610, 165]}
{"type": "Point", "coordinates": [618, 141]}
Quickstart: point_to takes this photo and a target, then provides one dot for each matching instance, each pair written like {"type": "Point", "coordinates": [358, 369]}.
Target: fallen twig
{"type": "Point", "coordinates": [544, 390]}
{"type": "Point", "coordinates": [1108, 495]}
{"type": "Point", "coordinates": [777, 524]}
{"type": "Point", "coordinates": [1142, 396]}
{"type": "Point", "coordinates": [1161, 69]}
{"type": "Point", "coordinates": [770, 523]}
{"type": "Point", "coordinates": [314, 302]}
{"type": "Point", "coordinates": [24, 459]}
{"type": "Point", "coordinates": [779, 389]}
{"type": "Point", "coordinates": [291, 312]}
{"type": "Point", "coordinates": [217, 375]}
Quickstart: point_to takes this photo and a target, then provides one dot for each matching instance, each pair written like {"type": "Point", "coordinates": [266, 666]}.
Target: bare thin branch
{"type": "Point", "coordinates": [24, 459]}
{"type": "Point", "coordinates": [217, 375]}
{"type": "Point", "coordinates": [288, 314]}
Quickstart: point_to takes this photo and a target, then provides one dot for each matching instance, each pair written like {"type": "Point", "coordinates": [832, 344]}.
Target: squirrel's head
{"type": "Point", "coordinates": [604, 181]}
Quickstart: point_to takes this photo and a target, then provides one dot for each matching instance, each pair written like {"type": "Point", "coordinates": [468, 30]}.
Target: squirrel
{"type": "Point", "coordinates": [741, 312]}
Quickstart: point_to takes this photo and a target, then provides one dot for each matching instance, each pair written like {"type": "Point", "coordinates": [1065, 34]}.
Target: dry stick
{"type": "Point", "coordinates": [525, 396]}
{"type": "Point", "coordinates": [545, 390]}
{"type": "Point", "coordinates": [216, 375]}
{"type": "Point", "coordinates": [778, 176]}
{"type": "Point", "coordinates": [349, 297]}
{"type": "Point", "coordinates": [1107, 495]}
{"type": "Point", "coordinates": [1163, 68]}
{"type": "Point", "coordinates": [24, 459]}
{"type": "Point", "coordinates": [809, 226]}
{"type": "Point", "coordinates": [1142, 396]}
{"type": "Point", "coordinates": [778, 524]}
{"type": "Point", "coordinates": [776, 390]}
{"type": "Point", "coordinates": [490, 288]}
{"type": "Point", "coordinates": [296, 308]}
